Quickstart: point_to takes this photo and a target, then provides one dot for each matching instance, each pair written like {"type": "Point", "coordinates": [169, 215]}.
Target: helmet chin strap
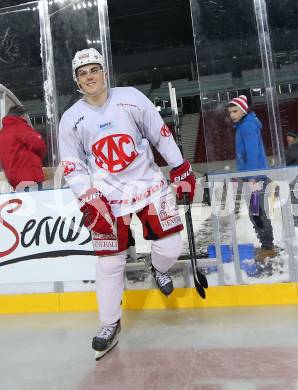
{"type": "Point", "coordinates": [79, 87]}
{"type": "Point", "coordinates": [81, 91]}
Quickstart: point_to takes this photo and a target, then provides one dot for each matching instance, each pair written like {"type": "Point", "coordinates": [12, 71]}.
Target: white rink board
{"type": "Point", "coordinates": [36, 224]}
{"type": "Point", "coordinates": [33, 248]}
{"type": "Point", "coordinates": [28, 240]}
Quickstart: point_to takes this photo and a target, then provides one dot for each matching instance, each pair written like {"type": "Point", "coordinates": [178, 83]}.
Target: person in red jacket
{"type": "Point", "coordinates": [21, 150]}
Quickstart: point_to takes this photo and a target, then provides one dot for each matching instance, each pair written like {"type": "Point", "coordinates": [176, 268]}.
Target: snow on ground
{"type": "Point", "coordinates": [277, 269]}
{"type": "Point", "coordinates": [137, 276]}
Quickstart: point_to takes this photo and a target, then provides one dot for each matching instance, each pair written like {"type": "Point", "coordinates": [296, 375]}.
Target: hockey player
{"type": "Point", "coordinates": [108, 163]}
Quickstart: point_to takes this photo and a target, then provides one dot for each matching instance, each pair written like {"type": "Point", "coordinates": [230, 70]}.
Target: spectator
{"type": "Point", "coordinates": [21, 150]}
{"type": "Point", "coordinates": [250, 155]}
{"type": "Point", "coordinates": [292, 159]}
{"type": "Point", "coordinates": [292, 151]}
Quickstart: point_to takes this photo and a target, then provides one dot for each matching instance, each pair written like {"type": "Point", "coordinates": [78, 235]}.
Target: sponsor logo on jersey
{"type": "Point", "coordinates": [165, 131]}
{"type": "Point", "coordinates": [68, 166]}
{"type": "Point", "coordinates": [106, 242]}
{"type": "Point", "coordinates": [168, 213]}
{"type": "Point", "coordinates": [77, 122]}
{"type": "Point", "coordinates": [105, 125]}
{"type": "Point", "coordinates": [128, 105]}
{"type": "Point", "coordinates": [139, 197]}
{"type": "Point", "coordinates": [115, 152]}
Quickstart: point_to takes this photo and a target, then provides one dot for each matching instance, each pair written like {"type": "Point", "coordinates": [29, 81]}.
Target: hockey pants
{"type": "Point", "coordinates": [110, 275]}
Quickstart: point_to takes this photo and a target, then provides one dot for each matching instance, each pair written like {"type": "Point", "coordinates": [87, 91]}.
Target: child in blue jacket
{"type": "Point", "coordinates": [250, 155]}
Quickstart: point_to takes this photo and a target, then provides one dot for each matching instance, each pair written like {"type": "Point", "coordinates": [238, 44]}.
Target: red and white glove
{"type": "Point", "coordinates": [184, 180]}
{"type": "Point", "coordinates": [97, 213]}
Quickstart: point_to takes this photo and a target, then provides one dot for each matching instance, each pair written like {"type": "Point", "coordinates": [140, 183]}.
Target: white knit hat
{"type": "Point", "coordinates": [241, 102]}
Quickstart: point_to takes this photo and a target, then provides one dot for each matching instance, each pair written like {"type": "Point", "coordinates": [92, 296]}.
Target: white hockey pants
{"type": "Point", "coordinates": [110, 275]}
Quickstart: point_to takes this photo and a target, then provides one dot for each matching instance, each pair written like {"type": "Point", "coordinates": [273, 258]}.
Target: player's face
{"type": "Point", "coordinates": [235, 113]}
{"type": "Point", "coordinates": [91, 79]}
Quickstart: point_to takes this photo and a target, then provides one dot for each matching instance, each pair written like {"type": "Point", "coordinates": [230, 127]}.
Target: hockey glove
{"type": "Point", "coordinates": [184, 180]}
{"type": "Point", "coordinates": [97, 213]}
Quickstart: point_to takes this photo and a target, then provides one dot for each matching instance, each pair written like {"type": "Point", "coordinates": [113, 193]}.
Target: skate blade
{"type": "Point", "coordinates": [100, 354]}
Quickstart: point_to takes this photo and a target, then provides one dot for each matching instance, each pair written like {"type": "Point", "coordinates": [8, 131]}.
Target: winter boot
{"type": "Point", "coordinates": [263, 253]}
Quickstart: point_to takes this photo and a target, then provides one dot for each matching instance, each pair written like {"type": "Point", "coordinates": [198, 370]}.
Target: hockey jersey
{"type": "Point", "coordinates": [108, 147]}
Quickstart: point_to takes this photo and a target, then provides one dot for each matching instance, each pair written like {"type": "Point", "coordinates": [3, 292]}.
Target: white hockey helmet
{"type": "Point", "coordinates": [85, 57]}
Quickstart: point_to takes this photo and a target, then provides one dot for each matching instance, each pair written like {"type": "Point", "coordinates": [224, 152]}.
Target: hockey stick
{"type": "Point", "coordinates": [200, 279]}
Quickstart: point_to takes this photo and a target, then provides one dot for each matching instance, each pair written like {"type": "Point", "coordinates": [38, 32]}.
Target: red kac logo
{"type": "Point", "coordinates": [115, 152]}
{"type": "Point", "coordinates": [165, 131]}
{"type": "Point", "coordinates": [68, 166]}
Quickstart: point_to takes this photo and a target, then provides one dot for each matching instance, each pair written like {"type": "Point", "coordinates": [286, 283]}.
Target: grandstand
{"type": "Point", "coordinates": [184, 88]}
{"type": "Point", "coordinates": [208, 135]}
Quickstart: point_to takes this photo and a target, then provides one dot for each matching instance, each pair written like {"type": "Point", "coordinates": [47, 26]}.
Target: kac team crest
{"type": "Point", "coordinates": [165, 131]}
{"type": "Point", "coordinates": [115, 152]}
{"type": "Point", "coordinates": [68, 167]}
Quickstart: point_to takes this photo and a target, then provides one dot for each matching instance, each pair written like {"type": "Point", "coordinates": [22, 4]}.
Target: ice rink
{"type": "Point", "coordinates": [246, 348]}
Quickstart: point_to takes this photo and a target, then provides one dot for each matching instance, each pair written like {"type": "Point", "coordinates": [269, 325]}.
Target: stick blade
{"type": "Point", "coordinates": [200, 289]}
{"type": "Point", "coordinates": [202, 279]}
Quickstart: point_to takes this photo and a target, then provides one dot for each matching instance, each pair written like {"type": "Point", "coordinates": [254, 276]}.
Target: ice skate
{"type": "Point", "coordinates": [106, 339]}
{"type": "Point", "coordinates": [162, 280]}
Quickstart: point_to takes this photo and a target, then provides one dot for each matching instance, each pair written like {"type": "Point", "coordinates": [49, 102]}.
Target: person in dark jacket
{"type": "Point", "coordinates": [291, 155]}
{"type": "Point", "coordinates": [250, 155]}
{"type": "Point", "coordinates": [21, 150]}
{"type": "Point", "coordinates": [292, 150]}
